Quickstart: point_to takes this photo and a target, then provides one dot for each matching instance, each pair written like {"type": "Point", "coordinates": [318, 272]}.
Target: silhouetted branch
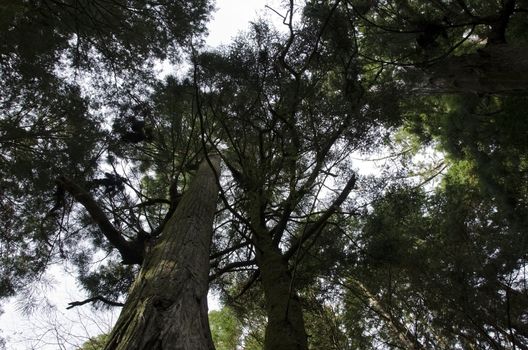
{"type": "Point", "coordinates": [92, 300]}
{"type": "Point", "coordinates": [130, 253]}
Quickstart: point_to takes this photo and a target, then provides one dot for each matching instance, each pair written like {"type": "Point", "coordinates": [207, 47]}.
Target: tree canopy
{"type": "Point", "coordinates": [108, 167]}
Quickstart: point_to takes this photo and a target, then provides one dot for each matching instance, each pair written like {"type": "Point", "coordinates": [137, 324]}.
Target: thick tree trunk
{"type": "Point", "coordinates": [167, 305]}
{"type": "Point", "coordinates": [285, 329]}
{"type": "Point", "coordinates": [495, 69]}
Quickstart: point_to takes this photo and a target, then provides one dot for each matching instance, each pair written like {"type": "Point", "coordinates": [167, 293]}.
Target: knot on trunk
{"type": "Point", "coordinates": [161, 304]}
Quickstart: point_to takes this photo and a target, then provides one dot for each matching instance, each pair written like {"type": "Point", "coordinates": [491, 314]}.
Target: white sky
{"type": "Point", "coordinates": [233, 16]}
{"type": "Point", "coordinates": [52, 324]}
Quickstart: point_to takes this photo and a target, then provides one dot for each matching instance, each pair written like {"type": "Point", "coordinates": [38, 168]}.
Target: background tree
{"type": "Point", "coordinates": [461, 46]}
{"type": "Point", "coordinates": [290, 111]}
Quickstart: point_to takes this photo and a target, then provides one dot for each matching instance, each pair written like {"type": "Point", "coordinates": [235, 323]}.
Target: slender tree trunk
{"type": "Point", "coordinates": [285, 329]}
{"type": "Point", "coordinates": [167, 305]}
{"type": "Point", "coordinates": [397, 328]}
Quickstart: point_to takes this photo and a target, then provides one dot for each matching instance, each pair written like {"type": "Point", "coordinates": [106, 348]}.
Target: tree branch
{"type": "Point", "coordinates": [229, 267]}
{"type": "Point", "coordinates": [254, 277]}
{"type": "Point", "coordinates": [318, 225]}
{"type": "Point", "coordinates": [92, 300]}
{"type": "Point", "coordinates": [131, 251]}
{"type": "Point", "coordinates": [229, 250]}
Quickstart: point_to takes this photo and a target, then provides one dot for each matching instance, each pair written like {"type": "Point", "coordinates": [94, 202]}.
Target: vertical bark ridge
{"type": "Point", "coordinates": [285, 329]}
{"type": "Point", "coordinates": [167, 304]}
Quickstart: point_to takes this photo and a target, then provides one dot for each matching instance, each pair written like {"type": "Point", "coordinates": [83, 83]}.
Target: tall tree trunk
{"type": "Point", "coordinates": [167, 305]}
{"type": "Point", "coordinates": [285, 329]}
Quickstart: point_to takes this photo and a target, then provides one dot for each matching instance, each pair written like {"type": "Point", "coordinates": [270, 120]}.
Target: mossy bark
{"type": "Point", "coordinates": [167, 304]}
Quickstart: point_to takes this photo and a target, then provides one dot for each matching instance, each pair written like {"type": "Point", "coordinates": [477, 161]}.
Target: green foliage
{"type": "Point", "coordinates": [230, 332]}
{"type": "Point", "coordinates": [57, 104]}
{"type": "Point", "coordinates": [488, 136]}
{"type": "Point", "coordinates": [324, 325]}
{"type": "Point", "coordinates": [225, 328]}
{"type": "Point", "coordinates": [480, 212]}
{"type": "Point", "coordinates": [95, 343]}
{"type": "Point", "coordinates": [440, 268]}
{"type": "Point", "coordinates": [112, 279]}
{"type": "Point", "coordinates": [418, 31]}
{"type": "Point", "coordinates": [444, 262]}
{"type": "Point", "coordinates": [395, 227]}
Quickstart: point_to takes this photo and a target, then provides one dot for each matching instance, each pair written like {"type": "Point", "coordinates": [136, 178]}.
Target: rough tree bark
{"type": "Point", "coordinates": [285, 329]}
{"type": "Point", "coordinates": [167, 305]}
